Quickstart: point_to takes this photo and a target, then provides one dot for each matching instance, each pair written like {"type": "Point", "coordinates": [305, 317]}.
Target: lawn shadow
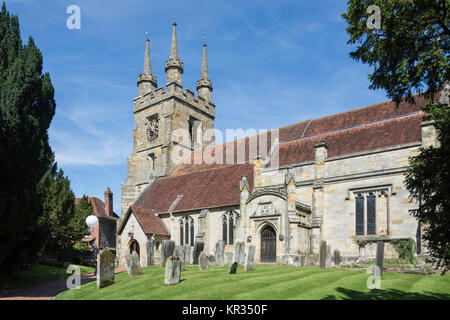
{"type": "Point", "coordinates": [388, 294]}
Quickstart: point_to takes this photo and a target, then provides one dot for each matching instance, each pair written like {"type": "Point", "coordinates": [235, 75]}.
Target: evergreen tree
{"type": "Point", "coordinates": [409, 54]}
{"type": "Point", "coordinates": [27, 107]}
{"type": "Point", "coordinates": [78, 223]}
{"type": "Point", "coordinates": [58, 202]}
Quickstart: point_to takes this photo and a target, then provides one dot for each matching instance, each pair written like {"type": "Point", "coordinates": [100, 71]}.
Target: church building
{"type": "Point", "coordinates": [338, 179]}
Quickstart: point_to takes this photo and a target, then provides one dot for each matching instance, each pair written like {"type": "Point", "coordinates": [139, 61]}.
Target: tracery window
{"type": "Point", "coordinates": [228, 220]}
{"type": "Point", "coordinates": [187, 231]}
{"type": "Point", "coordinates": [371, 212]}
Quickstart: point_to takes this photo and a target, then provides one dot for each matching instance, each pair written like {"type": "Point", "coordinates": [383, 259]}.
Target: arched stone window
{"type": "Point", "coordinates": [228, 219]}
{"type": "Point", "coordinates": [187, 231]}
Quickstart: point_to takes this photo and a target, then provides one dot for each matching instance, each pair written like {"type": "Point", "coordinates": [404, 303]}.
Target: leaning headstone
{"type": "Point", "coordinates": [212, 261]}
{"type": "Point", "coordinates": [229, 258]}
{"type": "Point", "coordinates": [203, 261]}
{"type": "Point", "coordinates": [219, 253]}
{"type": "Point", "coordinates": [105, 268]}
{"type": "Point", "coordinates": [249, 258]}
{"type": "Point", "coordinates": [135, 267]}
{"type": "Point", "coordinates": [179, 252]}
{"type": "Point", "coordinates": [173, 270]}
{"type": "Point", "coordinates": [379, 259]}
{"type": "Point", "coordinates": [168, 246]}
{"type": "Point", "coordinates": [150, 252]}
{"type": "Point", "coordinates": [328, 258]}
{"type": "Point", "coordinates": [337, 257]}
{"type": "Point", "coordinates": [233, 268]}
{"type": "Point", "coordinates": [323, 255]}
{"type": "Point", "coordinates": [198, 248]}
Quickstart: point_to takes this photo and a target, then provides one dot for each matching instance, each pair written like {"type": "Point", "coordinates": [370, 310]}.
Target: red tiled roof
{"type": "Point", "coordinates": [362, 120]}
{"type": "Point", "coordinates": [98, 208]}
{"type": "Point", "coordinates": [364, 138]}
{"type": "Point", "coordinates": [202, 189]}
{"type": "Point", "coordinates": [377, 112]}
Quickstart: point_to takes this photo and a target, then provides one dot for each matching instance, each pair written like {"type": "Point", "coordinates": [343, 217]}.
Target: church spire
{"type": "Point", "coordinates": [204, 74]}
{"type": "Point", "coordinates": [147, 64]}
{"type": "Point", "coordinates": [174, 45]}
{"type": "Point", "coordinates": [146, 80]}
{"type": "Point", "coordinates": [174, 66]}
{"type": "Point", "coordinates": [204, 85]}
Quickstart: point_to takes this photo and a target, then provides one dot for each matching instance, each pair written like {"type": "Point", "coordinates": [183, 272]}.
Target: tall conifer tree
{"type": "Point", "coordinates": [27, 107]}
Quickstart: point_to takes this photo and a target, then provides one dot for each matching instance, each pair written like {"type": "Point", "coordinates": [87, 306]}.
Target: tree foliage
{"type": "Point", "coordinates": [58, 203]}
{"type": "Point", "coordinates": [27, 107]}
{"type": "Point", "coordinates": [409, 54]}
{"type": "Point", "coordinates": [78, 223]}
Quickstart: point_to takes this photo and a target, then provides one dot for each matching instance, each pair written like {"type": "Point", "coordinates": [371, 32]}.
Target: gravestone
{"type": "Point", "coordinates": [233, 268]}
{"type": "Point", "coordinates": [128, 261]}
{"type": "Point", "coordinates": [167, 248]}
{"type": "Point", "coordinates": [105, 268]}
{"type": "Point", "coordinates": [323, 254]}
{"type": "Point", "coordinates": [379, 259]}
{"type": "Point", "coordinates": [203, 261]}
{"type": "Point", "coordinates": [198, 248]}
{"type": "Point", "coordinates": [296, 261]}
{"type": "Point", "coordinates": [179, 252]}
{"type": "Point", "coordinates": [328, 258]}
{"type": "Point", "coordinates": [212, 261]}
{"type": "Point", "coordinates": [150, 252]}
{"type": "Point", "coordinates": [219, 253]}
{"type": "Point", "coordinates": [229, 258]}
{"type": "Point", "coordinates": [249, 258]}
{"type": "Point", "coordinates": [135, 265]}
{"type": "Point", "coordinates": [337, 257]}
{"type": "Point", "coordinates": [187, 254]}
{"type": "Point", "coordinates": [173, 271]}
{"type": "Point", "coordinates": [239, 253]}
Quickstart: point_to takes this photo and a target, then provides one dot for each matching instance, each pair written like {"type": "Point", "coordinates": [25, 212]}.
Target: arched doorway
{"type": "Point", "coordinates": [134, 246]}
{"type": "Point", "coordinates": [268, 245]}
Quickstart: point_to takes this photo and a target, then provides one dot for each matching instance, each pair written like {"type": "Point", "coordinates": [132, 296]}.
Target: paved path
{"type": "Point", "coordinates": [46, 291]}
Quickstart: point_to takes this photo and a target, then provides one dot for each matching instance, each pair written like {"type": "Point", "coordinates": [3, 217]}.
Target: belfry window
{"type": "Point", "coordinates": [228, 227]}
{"type": "Point", "coordinates": [151, 160]}
{"type": "Point", "coordinates": [187, 231]}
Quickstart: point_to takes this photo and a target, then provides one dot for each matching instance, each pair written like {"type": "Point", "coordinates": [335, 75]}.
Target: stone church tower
{"type": "Point", "coordinates": [168, 122]}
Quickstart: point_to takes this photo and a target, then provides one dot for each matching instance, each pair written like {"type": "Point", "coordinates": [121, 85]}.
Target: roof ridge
{"type": "Point", "coordinates": [356, 126]}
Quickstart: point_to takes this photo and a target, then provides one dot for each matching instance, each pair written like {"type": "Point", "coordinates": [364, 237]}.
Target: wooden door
{"type": "Point", "coordinates": [268, 245]}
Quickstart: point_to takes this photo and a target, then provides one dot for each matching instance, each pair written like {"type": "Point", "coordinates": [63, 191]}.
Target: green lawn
{"type": "Point", "coordinates": [271, 282]}
{"type": "Point", "coordinates": [35, 275]}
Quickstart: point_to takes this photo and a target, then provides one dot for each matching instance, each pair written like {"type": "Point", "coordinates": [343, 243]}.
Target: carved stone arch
{"type": "Point", "coordinates": [266, 191]}
{"type": "Point", "coordinates": [265, 223]}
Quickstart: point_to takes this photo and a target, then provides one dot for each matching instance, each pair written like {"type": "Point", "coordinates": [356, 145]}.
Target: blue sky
{"type": "Point", "coordinates": [273, 63]}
